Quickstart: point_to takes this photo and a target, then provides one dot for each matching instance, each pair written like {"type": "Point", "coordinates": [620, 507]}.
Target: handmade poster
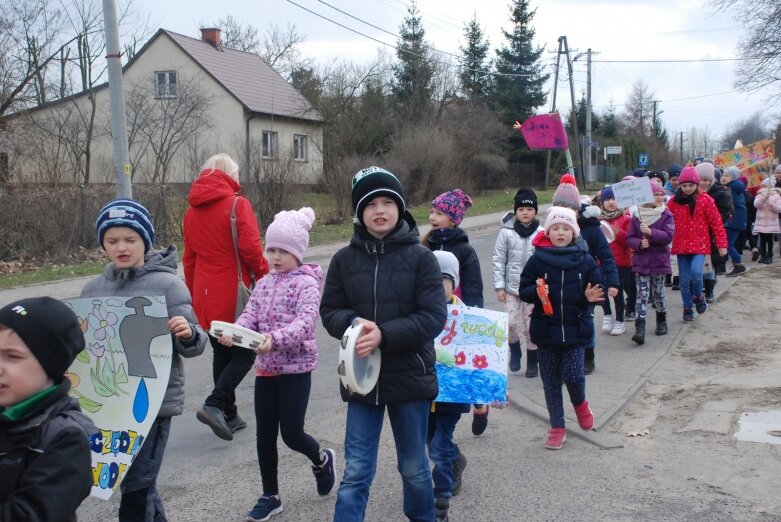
{"type": "Point", "coordinates": [755, 154]}
{"type": "Point", "coordinates": [472, 356]}
{"type": "Point", "coordinates": [632, 192]}
{"type": "Point", "coordinates": [120, 378]}
{"type": "Point", "coordinates": [544, 132]}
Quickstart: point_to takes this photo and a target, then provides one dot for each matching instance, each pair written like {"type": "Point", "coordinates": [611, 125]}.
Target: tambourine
{"type": "Point", "coordinates": [241, 336]}
{"type": "Point", "coordinates": [607, 230]}
{"type": "Point", "coordinates": [358, 374]}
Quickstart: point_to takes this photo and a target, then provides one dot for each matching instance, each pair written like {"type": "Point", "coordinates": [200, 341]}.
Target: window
{"type": "Point", "coordinates": [269, 145]}
{"type": "Point", "coordinates": [299, 147]}
{"type": "Point", "coordinates": [165, 84]}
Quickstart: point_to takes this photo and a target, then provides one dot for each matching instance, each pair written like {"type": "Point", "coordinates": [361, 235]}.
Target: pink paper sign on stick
{"type": "Point", "coordinates": [544, 132]}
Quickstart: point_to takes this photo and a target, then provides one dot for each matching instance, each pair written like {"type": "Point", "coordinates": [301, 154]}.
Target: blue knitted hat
{"type": "Point", "coordinates": [126, 213]}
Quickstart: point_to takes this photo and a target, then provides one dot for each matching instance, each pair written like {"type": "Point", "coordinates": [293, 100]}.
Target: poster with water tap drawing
{"type": "Point", "coordinates": [120, 378]}
{"type": "Point", "coordinates": [472, 356]}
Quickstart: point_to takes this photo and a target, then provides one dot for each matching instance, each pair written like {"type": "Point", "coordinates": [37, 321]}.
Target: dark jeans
{"type": "Point", "coordinates": [442, 451]}
{"type": "Point", "coordinates": [229, 367]}
{"type": "Point", "coordinates": [280, 405]}
{"type": "Point", "coordinates": [140, 500]}
{"type": "Point", "coordinates": [626, 284]}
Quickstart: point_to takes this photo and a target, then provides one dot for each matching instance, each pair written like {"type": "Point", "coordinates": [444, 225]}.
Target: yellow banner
{"type": "Point", "coordinates": [753, 160]}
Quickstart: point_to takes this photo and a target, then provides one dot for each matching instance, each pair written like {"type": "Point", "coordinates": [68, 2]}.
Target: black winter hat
{"type": "Point", "coordinates": [659, 174]}
{"type": "Point", "coordinates": [372, 182]}
{"type": "Point", "coordinates": [50, 330]}
{"type": "Point", "coordinates": [525, 197]}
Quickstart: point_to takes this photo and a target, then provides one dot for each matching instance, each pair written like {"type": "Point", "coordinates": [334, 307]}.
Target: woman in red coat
{"type": "Point", "coordinates": [696, 218]}
{"type": "Point", "coordinates": [210, 271]}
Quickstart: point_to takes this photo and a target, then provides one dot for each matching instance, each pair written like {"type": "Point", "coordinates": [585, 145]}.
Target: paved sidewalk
{"type": "Point", "coordinates": [622, 366]}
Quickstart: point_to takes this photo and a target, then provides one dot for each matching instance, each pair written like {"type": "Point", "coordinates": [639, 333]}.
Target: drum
{"type": "Point", "coordinates": [358, 374]}
{"type": "Point", "coordinates": [243, 337]}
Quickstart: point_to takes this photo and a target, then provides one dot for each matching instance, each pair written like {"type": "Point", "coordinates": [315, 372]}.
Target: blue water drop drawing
{"type": "Point", "coordinates": [141, 402]}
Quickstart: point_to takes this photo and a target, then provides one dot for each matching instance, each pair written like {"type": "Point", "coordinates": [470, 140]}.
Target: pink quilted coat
{"type": "Point", "coordinates": [286, 305]}
{"type": "Point", "coordinates": [768, 203]}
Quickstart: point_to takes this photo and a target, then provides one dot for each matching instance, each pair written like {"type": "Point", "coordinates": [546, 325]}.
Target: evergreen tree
{"type": "Point", "coordinates": [475, 84]}
{"type": "Point", "coordinates": [609, 122]}
{"type": "Point", "coordinates": [519, 89]}
{"type": "Point", "coordinates": [414, 70]}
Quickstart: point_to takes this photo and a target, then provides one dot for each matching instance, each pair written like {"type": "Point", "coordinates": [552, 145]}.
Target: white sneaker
{"type": "Point", "coordinates": [618, 328]}
{"type": "Point", "coordinates": [607, 323]}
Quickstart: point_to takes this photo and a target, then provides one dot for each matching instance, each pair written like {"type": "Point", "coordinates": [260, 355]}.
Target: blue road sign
{"type": "Point", "coordinates": [643, 160]}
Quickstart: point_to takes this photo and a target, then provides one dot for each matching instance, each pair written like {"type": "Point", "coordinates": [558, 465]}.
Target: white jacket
{"type": "Point", "coordinates": [511, 252]}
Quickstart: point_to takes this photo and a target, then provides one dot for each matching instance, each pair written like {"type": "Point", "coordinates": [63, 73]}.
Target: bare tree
{"type": "Point", "coordinates": [281, 49]}
{"type": "Point", "coordinates": [748, 131]}
{"type": "Point", "coordinates": [639, 109]}
{"type": "Point", "coordinates": [274, 179]}
{"type": "Point", "coordinates": [239, 36]}
{"type": "Point", "coordinates": [158, 127]}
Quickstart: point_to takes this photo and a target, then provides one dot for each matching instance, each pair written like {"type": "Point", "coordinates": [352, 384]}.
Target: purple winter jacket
{"type": "Point", "coordinates": [286, 305]}
{"type": "Point", "coordinates": [656, 258]}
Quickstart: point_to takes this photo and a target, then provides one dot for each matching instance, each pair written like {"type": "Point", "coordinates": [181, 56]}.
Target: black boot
{"type": "Point", "coordinates": [531, 363]}
{"type": "Point", "coordinates": [676, 280]}
{"type": "Point", "coordinates": [515, 356]}
{"type": "Point", "coordinates": [709, 285]}
{"type": "Point", "coordinates": [661, 323]}
{"type": "Point", "coordinates": [639, 336]}
{"type": "Point", "coordinates": [588, 361]}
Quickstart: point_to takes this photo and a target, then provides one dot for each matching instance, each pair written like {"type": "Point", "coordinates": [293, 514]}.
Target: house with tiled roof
{"type": "Point", "coordinates": [186, 99]}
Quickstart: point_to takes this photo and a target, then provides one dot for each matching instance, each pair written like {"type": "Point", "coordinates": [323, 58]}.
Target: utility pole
{"type": "Point", "coordinates": [117, 97]}
{"type": "Point", "coordinates": [656, 128]}
{"type": "Point", "coordinates": [587, 167]}
{"type": "Point", "coordinates": [553, 107]}
{"type": "Point", "coordinates": [681, 133]}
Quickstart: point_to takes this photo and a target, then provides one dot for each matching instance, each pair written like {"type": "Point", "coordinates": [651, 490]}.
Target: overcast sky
{"type": "Point", "coordinates": [616, 30]}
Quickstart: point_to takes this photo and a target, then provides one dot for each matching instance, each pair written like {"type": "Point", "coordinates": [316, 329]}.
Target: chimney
{"type": "Point", "coordinates": [211, 35]}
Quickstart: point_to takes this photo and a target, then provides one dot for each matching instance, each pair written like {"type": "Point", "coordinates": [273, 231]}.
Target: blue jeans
{"type": "Point", "coordinates": [690, 273]}
{"type": "Point", "coordinates": [732, 236]}
{"type": "Point", "coordinates": [442, 451]}
{"type": "Point", "coordinates": [409, 422]}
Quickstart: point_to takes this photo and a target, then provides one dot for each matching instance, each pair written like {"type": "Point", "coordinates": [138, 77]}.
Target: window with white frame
{"type": "Point", "coordinates": [165, 84]}
{"type": "Point", "coordinates": [269, 145]}
{"type": "Point", "coordinates": [299, 147]}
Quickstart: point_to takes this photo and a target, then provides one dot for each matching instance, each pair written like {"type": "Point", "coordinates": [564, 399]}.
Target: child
{"type": "Point", "coordinates": [567, 195]}
{"type": "Point", "coordinates": [284, 307]}
{"type": "Point", "coordinates": [569, 280]}
{"type": "Point", "coordinates": [768, 205]}
{"type": "Point", "coordinates": [447, 212]}
{"type": "Point", "coordinates": [673, 171]}
{"type": "Point", "coordinates": [449, 462]}
{"type": "Point", "coordinates": [619, 222]}
{"type": "Point", "coordinates": [126, 232]}
{"type": "Point", "coordinates": [696, 218]}
{"type": "Point", "coordinates": [44, 437]}
{"type": "Point", "coordinates": [737, 222]}
{"type": "Point", "coordinates": [649, 236]}
{"type": "Point", "coordinates": [512, 250]}
{"type": "Point", "coordinates": [386, 280]}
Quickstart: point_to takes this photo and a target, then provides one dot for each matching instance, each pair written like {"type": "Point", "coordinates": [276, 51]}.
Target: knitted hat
{"type": "Point", "coordinates": [525, 197]}
{"type": "Point", "coordinates": [448, 265]}
{"type": "Point", "coordinates": [563, 215]}
{"type": "Point", "coordinates": [732, 172]}
{"type": "Point", "coordinates": [706, 171]}
{"type": "Point", "coordinates": [769, 182]}
{"type": "Point", "coordinates": [454, 204]}
{"type": "Point", "coordinates": [657, 189]}
{"type": "Point", "coordinates": [689, 175]}
{"type": "Point", "coordinates": [639, 172]}
{"type": "Point", "coordinates": [743, 179]}
{"type": "Point", "coordinates": [674, 170]}
{"type": "Point", "coordinates": [290, 231]}
{"type": "Point", "coordinates": [126, 213]}
{"type": "Point", "coordinates": [567, 194]}
{"type": "Point", "coordinates": [657, 174]}
{"type": "Point", "coordinates": [50, 330]}
{"type": "Point", "coordinates": [372, 182]}
{"type": "Point", "coordinates": [606, 193]}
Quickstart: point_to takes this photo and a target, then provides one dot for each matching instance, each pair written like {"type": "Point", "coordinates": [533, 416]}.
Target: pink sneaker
{"type": "Point", "coordinates": [585, 417]}
{"type": "Point", "coordinates": [556, 438]}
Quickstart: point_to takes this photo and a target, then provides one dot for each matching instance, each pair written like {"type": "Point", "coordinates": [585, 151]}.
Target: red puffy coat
{"type": "Point", "coordinates": [621, 251]}
{"type": "Point", "coordinates": [209, 260]}
{"type": "Point", "coordinates": [693, 231]}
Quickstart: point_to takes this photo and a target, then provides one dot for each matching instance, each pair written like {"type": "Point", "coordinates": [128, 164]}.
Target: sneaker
{"type": "Point", "coordinates": [556, 438]}
{"type": "Point", "coordinates": [480, 421]}
{"type": "Point", "coordinates": [441, 505]}
{"type": "Point", "coordinates": [236, 423]}
{"type": "Point", "coordinates": [629, 317]}
{"type": "Point", "coordinates": [737, 270]}
{"type": "Point", "coordinates": [214, 418]}
{"type": "Point", "coordinates": [700, 304]}
{"type": "Point", "coordinates": [710, 297]}
{"type": "Point", "coordinates": [324, 473]}
{"type": "Point", "coordinates": [618, 328]}
{"type": "Point", "coordinates": [584, 415]}
{"type": "Point", "coordinates": [688, 314]}
{"type": "Point", "coordinates": [754, 254]}
{"type": "Point", "coordinates": [607, 323]}
{"type": "Point", "coordinates": [458, 470]}
{"type": "Point", "coordinates": [267, 505]}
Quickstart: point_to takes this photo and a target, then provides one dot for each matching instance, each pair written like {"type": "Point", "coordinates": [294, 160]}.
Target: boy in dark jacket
{"type": "Point", "coordinates": [564, 282]}
{"type": "Point", "coordinates": [44, 437]}
{"type": "Point", "coordinates": [389, 282]}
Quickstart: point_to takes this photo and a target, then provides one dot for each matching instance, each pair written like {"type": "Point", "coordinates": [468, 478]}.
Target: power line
{"type": "Point", "coordinates": [697, 60]}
